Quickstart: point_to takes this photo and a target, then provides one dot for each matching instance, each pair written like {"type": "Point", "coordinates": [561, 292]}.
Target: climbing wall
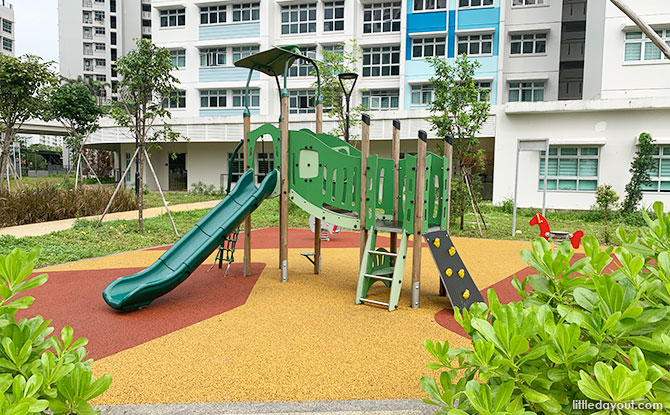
{"type": "Point", "coordinates": [461, 290]}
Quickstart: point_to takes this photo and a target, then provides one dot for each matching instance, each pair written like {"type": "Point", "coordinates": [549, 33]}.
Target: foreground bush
{"type": "Point", "coordinates": [46, 202]}
{"type": "Point", "coordinates": [39, 372]}
{"type": "Point", "coordinates": [592, 330]}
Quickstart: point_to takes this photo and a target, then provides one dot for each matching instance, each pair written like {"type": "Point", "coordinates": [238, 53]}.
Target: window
{"type": "Point", "coordinates": [301, 101]}
{"type": "Point", "coordinates": [475, 45]}
{"type": "Point", "coordinates": [381, 17]}
{"type": "Point", "coordinates": [333, 16]}
{"type": "Point", "coordinates": [522, 3]}
{"type": "Point", "coordinates": [214, 98]}
{"type": "Point", "coordinates": [429, 5]}
{"type": "Point", "coordinates": [100, 47]}
{"type": "Point", "coordinates": [339, 49]}
{"type": "Point", "coordinates": [178, 58]}
{"type": "Point", "coordinates": [112, 22]}
{"type": "Point", "coordinates": [176, 100]}
{"type": "Point", "coordinates": [113, 54]}
{"type": "Point", "coordinates": [429, 46]}
{"type": "Point", "coordinates": [99, 16]}
{"type": "Point", "coordinates": [526, 91]}
{"type": "Point", "coordinates": [100, 1]}
{"type": "Point", "coordinates": [88, 49]}
{"type": "Point", "coordinates": [146, 7]}
{"type": "Point", "coordinates": [422, 94]}
{"type": "Point", "coordinates": [112, 6]}
{"type": "Point", "coordinates": [86, 3]}
{"type": "Point", "coordinates": [474, 3]}
{"type": "Point", "coordinates": [112, 38]}
{"type": "Point", "coordinates": [638, 47]}
{"type": "Point", "coordinates": [99, 31]}
{"type": "Point", "coordinates": [88, 64]}
{"type": "Point", "coordinates": [303, 67]}
{"type": "Point", "coordinates": [484, 90]}
{"type": "Point", "coordinates": [660, 174]}
{"type": "Point", "coordinates": [381, 61]}
{"type": "Point", "coordinates": [241, 52]}
{"type": "Point", "coordinates": [212, 57]}
{"type": "Point", "coordinates": [381, 100]}
{"type": "Point", "coordinates": [6, 26]}
{"type": "Point", "coordinates": [266, 163]}
{"type": "Point", "coordinates": [298, 18]}
{"type": "Point", "coordinates": [100, 62]}
{"type": "Point", "coordinates": [213, 14]}
{"type": "Point", "coordinates": [529, 44]}
{"type": "Point", "coordinates": [101, 78]}
{"type": "Point", "coordinates": [86, 18]}
{"type": "Point", "coordinates": [173, 17]}
{"type": "Point", "coordinates": [238, 166]}
{"type": "Point", "coordinates": [246, 12]}
{"type": "Point", "coordinates": [254, 98]}
{"type": "Point", "coordinates": [570, 168]}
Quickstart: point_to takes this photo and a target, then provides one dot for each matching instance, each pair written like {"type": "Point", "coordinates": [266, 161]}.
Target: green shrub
{"type": "Point", "coordinates": [508, 206]}
{"type": "Point", "coordinates": [200, 188]}
{"type": "Point", "coordinates": [583, 332]}
{"type": "Point", "coordinates": [606, 202]}
{"type": "Point", "coordinates": [38, 371]}
{"type": "Point", "coordinates": [46, 201]}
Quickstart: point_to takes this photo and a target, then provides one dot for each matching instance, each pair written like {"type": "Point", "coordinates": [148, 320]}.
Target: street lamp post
{"type": "Point", "coordinates": [349, 78]}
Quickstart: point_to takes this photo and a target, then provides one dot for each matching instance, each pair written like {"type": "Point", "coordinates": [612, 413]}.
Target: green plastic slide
{"type": "Point", "coordinates": [178, 262]}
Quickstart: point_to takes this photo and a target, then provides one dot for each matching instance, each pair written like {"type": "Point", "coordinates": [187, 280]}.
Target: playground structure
{"type": "Point", "coordinates": [334, 182]}
{"type": "Point", "coordinates": [555, 236]}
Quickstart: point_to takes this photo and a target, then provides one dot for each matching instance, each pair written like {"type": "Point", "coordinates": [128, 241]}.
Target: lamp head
{"type": "Point", "coordinates": [347, 81]}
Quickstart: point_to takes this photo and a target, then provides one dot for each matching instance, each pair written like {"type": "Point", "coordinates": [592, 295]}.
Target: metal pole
{"type": "Point", "coordinates": [546, 172]}
{"type": "Point", "coordinates": [346, 132]}
{"type": "Point", "coordinates": [418, 216]}
{"type": "Point", "coordinates": [317, 221]}
{"type": "Point", "coordinates": [247, 220]}
{"type": "Point", "coordinates": [283, 201]}
{"type": "Point", "coordinates": [516, 185]}
{"type": "Point", "coordinates": [365, 152]}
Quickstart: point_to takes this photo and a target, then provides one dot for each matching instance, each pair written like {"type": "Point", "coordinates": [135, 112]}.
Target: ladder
{"type": "Point", "coordinates": [378, 264]}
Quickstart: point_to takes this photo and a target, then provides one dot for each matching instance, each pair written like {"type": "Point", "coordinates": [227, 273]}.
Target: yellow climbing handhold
{"type": "Point", "coordinates": [452, 251]}
{"type": "Point", "coordinates": [436, 242]}
{"type": "Point", "coordinates": [466, 294]}
{"type": "Point", "coordinates": [448, 272]}
{"type": "Point", "coordinates": [461, 273]}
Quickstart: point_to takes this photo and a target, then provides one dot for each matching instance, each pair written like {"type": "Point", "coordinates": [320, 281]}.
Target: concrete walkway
{"type": "Point", "coordinates": [43, 228]}
{"type": "Point", "coordinates": [362, 407]}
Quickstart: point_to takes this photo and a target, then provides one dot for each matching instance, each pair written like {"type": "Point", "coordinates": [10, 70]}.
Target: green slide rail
{"type": "Point", "coordinates": [178, 262]}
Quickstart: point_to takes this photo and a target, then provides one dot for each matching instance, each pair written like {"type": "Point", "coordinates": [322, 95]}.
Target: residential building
{"type": "Point", "coordinates": [93, 34]}
{"type": "Point", "coordinates": [575, 72]}
{"type": "Point", "coordinates": [7, 31]}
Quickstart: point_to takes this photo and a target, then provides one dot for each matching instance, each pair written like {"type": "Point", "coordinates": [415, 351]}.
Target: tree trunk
{"type": "Point", "coordinates": [140, 193]}
{"type": "Point", "coordinates": [4, 153]}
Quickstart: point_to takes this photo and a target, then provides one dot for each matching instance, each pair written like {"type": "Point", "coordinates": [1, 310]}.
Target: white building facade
{"type": "Point", "coordinates": [574, 72]}
{"type": "Point", "coordinates": [93, 34]}
{"type": "Point", "coordinates": [7, 29]}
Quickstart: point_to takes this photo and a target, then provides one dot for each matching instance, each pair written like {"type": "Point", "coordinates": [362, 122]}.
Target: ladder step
{"type": "Point", "coordinates": [393, 254]}
{"type": "Point", "coordinates": [365, 300]}
{"type": "Point", "coordinates": [378, 277]}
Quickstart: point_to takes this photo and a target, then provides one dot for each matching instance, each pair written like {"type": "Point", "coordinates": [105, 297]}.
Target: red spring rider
{"type": "Point", "coordinates": [555, 236]}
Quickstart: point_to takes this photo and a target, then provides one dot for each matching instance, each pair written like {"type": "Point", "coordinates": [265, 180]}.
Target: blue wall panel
{"type": "Point", "coordinates": [426, 22]}
{"type": "Point", "coordinates": [452, 35]}
{"type": "Point", "coordinates": [478, 18]}
{"type": "Point", "coordinates": [225, 74]}
{"type": "Point", "coordinates": [229, 31]}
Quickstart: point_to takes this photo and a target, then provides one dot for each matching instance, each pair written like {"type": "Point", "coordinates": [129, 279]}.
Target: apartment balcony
{"type": "Point", "coordinates": [87, 3]}
{"type": "Point", "coordinates": [87, 21]}
{"type": "Point", "coordinates": [88, 52]}
{"type": "Point", "coordinates": [88, 35]}
{"type": "Point", "coordinates": [146, 30]}
{"type": "Point", "coordinates": [574, 11]}
{"type": "Point", "coordinates": [572, 51]}
{"type": "Point", "coordinates": [146, 1]}
{"type": "Point", "coordinates": [570, 90]}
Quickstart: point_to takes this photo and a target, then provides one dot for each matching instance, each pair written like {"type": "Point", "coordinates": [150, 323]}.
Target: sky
{"type": "Point", "coordinates": [36, 28]}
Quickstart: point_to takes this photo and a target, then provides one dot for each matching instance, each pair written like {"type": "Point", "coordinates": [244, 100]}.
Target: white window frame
{"type": "Point", "coordinates": [333, 7]}
{"type": "Point", "coordinates": [213, 57]}
{"type": "Point", "coordinates": [393, 51]}
{"type": "Point", "coordinates": [217, 94]}
{"type": "Point", "coordinates": [302, 67]}
{"type": "Point", "coordinates": [478, 4]}
{"type": "Point", "coordinates": [101, 78]}
{"type": "Point", "coordinates": [100, 47]}
{"type": "Point", "coordinates": [429, 5]}
{"type": "Point", "coordinates": [99, 16]}
{"type": "Point", "coordinates": [301, 101]}
{"type": "Point", "coordinates": [529, 3]}
{"type": "Point", "coordinates": [533, 39]}
{"type": "Point", "coordinates": [424, 43]}
{"type": "Point", "coordinates": [557, 178]}
{"type": "Point", "coordinates": [337, 48]}
{"type": "Point", "coordinates": [376, 21]}
{"type": "Point", "coordinates": [298, 11]}
{"type": "Point", "coordinates": [655, 178]}
{"type": "Point", "coordinates": [100, 62]}
{"type": "Point", "coordinates": [522, 86]}
{"type": "Point", "coordinates": [238, 98]}
{"type": "Point", "coordinates": [7, 44]}
{"type": "Point", "coordinates": [99, 31]}
{"type": "Point", "coordinates": [166, 16]}
{"type": "Point", "coordinates": [216, 12]}
{"type": "Point", "coordinates": [246, 12]}
{"type": "Point", "coordinates": [644, 44]}
{"type": "Point", "coordinates": [475, 39]}
{"type": "Point", "coordinates": [421, 91]}
{"type": "Point", "coordinates": [7, 26]}
{"type": "Point", "coordinates": [178, 55]}
{"type": "Point", "coordinates": [175, 101]}
{"type": "Point", "coordinates": [381, 99]}
{"type": "Point", "coordinates": [241, 52]}
{"type": "Point", "coordinates": [481, 87]}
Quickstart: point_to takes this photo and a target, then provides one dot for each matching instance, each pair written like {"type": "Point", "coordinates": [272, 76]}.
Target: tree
{"type": "Point", "coordinates": [640, 167]}
{"type": "Point", "coordinates": [332, 64]}
{"type": "Point", "coordinates": [23, 85]}
{"type": "Point", "coordinates": [75, 105]}
{"type": "Point", "coordinates": [459, 109]}
{"type": "Point", "coordinates": [146, 79]}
